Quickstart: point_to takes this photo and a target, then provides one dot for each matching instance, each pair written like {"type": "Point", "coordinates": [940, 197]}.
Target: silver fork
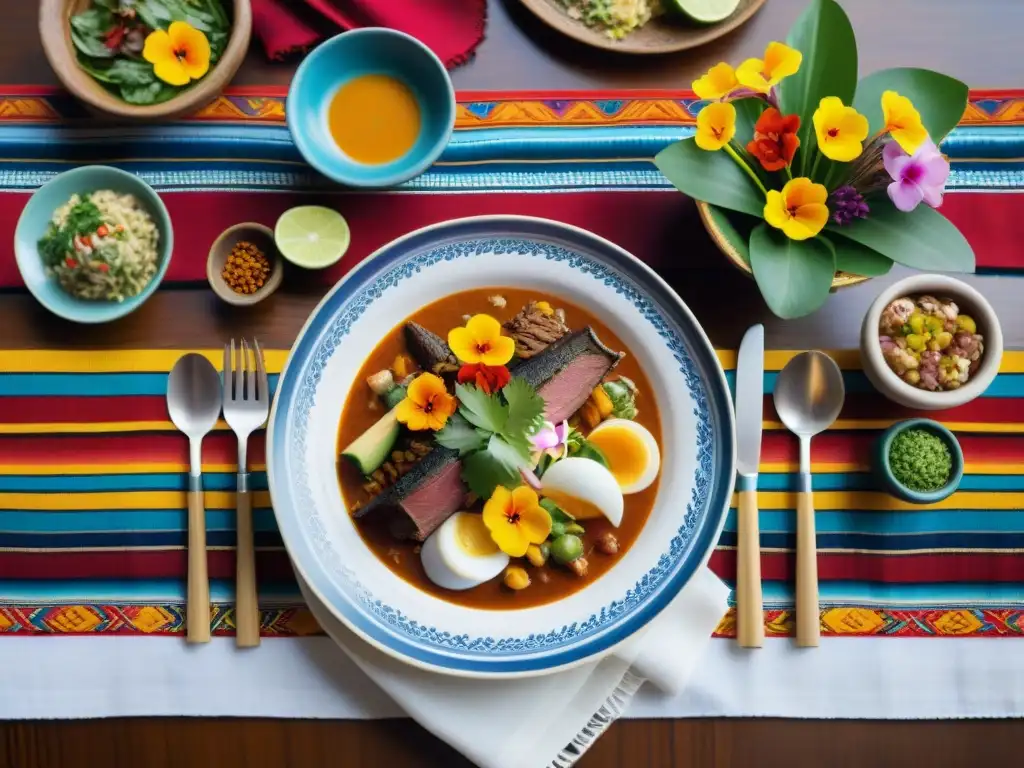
{"type": "Point", "coordinates": [246, 406]}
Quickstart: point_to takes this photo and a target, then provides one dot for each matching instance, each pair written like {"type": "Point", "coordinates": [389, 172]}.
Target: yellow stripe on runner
{"type": "Point", "coordinates": [121, 500]}
{"type": "Point", "coordinates": [92, 427]}
{"type": "Point", "coordinates": [115, 360]}
{"type": "Point", "coordinates": [970, 468]}
{"type": "Point", "coordinates": [877, 501]}
{"type": "Point", "coordinates": [848, 359]}
{"type": "Point", "coordinates": [154, 468]}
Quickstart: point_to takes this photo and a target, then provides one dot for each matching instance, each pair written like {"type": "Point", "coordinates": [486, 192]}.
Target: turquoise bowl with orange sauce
{"type": "Point", "coordinates": [370, 51]}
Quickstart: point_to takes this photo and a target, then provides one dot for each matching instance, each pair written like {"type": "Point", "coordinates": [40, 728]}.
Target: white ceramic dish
{"type": "Point", "coordinates": [698, 448]}
{"type": "Point", "coordinates": [971, 302]}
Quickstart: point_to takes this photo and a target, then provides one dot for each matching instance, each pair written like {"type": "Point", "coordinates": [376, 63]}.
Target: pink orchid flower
{"type": "Point", "coordinates": [917, 177]}
{"type": "Point", "coordinates": [552, 439]}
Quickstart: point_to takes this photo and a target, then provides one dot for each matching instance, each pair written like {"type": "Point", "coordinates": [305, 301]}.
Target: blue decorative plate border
{"type": "Point", "coordinates": [387, 626]}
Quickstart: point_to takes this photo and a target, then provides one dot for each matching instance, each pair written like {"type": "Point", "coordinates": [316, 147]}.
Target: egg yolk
{"type": "Point", "coordinates": [578, 508]}
{"type": "Point", "coordinates": [625, 451]}
{"type": "Point", "coordinates": [472, 535]}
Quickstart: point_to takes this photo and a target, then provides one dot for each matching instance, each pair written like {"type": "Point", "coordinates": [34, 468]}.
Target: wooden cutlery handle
{"type": "Point", "coordinates": [808, 623]}
{"type": "Point", "coordinates": [197, 612]}
{"type": "Point", "coordinates": [749, 614]}
{"type": "Point", "coordinates": [247, 612]}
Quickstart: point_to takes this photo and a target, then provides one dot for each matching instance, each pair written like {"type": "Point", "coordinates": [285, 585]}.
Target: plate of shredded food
{"type": "Point", "coordinates": [644, 26]}
{"type": "Point", "coordinates": [93, 243]}
{"type": "Point", "coordinates": [500, 446]}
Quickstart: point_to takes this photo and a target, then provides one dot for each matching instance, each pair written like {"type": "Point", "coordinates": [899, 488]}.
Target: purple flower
{"type": "Point", "coordinates": [917, 177]}
{"type": "Point", "coordinates": [551, 439]}
{"type": "Point", "coordinates": [848, 204]}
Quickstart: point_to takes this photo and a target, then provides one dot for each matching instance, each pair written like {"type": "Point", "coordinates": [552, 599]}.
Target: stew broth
{"type": "Point", "coordinates": [362, 409]}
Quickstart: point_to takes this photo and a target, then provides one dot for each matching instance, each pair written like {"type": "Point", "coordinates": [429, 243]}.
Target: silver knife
{"type": "Point", "coordinates": [749, 402]}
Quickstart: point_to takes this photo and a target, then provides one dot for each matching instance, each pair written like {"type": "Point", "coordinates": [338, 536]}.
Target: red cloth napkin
{"type": "Point", "coordinates": [450, 28]}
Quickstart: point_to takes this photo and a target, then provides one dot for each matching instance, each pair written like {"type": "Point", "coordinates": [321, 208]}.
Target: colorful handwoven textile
{"type": "Point", "coordinates": [594, 151]}
{"type": "Point", "coordinates": [92, 510]}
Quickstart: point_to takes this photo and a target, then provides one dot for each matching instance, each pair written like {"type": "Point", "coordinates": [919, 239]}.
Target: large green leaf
{"type": "Point", "coordinates": [858, 259]}
{"type": "Point", "coordinates": [735, 228]}
{"type": "Point", "coordinates": [922, 239]}
{"type": "Point", "coordinates": [713, 177]}
{"type": "Point", "coordinates": [794, 275]}
{"type": "Point", "coordinates": [825, 38]}
{"type": "Point", "coordinates": [747, 112]}
{"type": "Point", "coordinates": [941, 100]}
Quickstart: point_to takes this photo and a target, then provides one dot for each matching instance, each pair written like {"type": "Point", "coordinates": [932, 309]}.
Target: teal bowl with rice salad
{"type": "Point", "coordinates": [93, 244]}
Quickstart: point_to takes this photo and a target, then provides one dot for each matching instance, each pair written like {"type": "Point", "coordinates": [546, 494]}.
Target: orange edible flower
{"type": "Point", "coordinates": [488, 378]}
{"type": "Point", "coordinates": [516, 519]}
{"type": "Point", "coordinates": [480, 341]}
{"type": "Point", "coordinates": [427, 404]}
{"type": "Point", "coordinates": [179, 55]}
{"type": "Point", "coordinates": [775, 140]}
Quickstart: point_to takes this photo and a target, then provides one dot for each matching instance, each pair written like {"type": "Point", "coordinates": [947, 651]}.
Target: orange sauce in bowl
{"type": "Point", "coordinates": [374, 119]}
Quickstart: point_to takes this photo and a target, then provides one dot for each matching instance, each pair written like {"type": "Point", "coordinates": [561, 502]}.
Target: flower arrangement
{"type": "Point", "coordinates": [808, 172]}
{"type": "Point", "coordinates": [148, 51]}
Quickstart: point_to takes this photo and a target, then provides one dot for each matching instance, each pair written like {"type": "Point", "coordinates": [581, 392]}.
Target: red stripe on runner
{"type": "Point", "coordinates": [648, 224]}
{"type": "Point", "coordinates": [872, 407]}
{"type": "Point", "coordinates": [105, 449]}
{"type": "Point", "coordinates": [82, 410]}
{"type": "Point", "coordinates": [889, 569]}
{"type": "Point", "coordinates": [856, 447]}
{"type": "Point", "coordinates": [271, 566]}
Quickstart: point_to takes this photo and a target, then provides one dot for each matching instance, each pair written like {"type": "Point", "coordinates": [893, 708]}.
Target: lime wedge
{"type": "Point", "coordinates": [312, 236]}
{"type": "Point", "coordinates": [705, 11]}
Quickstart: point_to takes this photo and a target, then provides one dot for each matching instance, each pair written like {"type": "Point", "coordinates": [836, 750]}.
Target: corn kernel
{"type": "Point", "coordinates": [544, 308]}
{"type": "Point", "coordinates": [516, 578]}
{"type": "Point", "coordinates": [966, 323]}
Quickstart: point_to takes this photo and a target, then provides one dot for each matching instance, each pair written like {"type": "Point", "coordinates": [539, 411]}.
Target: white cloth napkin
{"type": "Point", "coordinates": [557, 717]}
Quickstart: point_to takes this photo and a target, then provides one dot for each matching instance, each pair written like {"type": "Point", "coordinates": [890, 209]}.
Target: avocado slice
{"type": "Point", "coordinates": [372, 448]}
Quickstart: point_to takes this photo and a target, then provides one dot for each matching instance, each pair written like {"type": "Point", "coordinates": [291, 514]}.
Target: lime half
{"type": "Point", "coordinates": [706, 11]}
{"type": "Point", "coordinates": [312, 236]}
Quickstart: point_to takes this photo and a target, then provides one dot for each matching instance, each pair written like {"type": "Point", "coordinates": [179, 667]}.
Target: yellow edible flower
{"type": "Point", "coordinates": [840, 129]}
{"type": "Point", "coordinates": [718, 82]}
{"type": "Point", "coordinates": [480, 341]}
{"type": "Point", "coordinates": [516, 519]}
{"type": "Point", "coordinates": [799, 209]}
{"type": "Point", "coordinates": [761, 75]}
{"type": "Point", "coordinates": [903, 121]}
{"type": "Point", "coordinates": [179, 55]}
{"type": "Point", "coordinates": [427, 404]}
{"type": "Point", "coordinates": [716, 125]}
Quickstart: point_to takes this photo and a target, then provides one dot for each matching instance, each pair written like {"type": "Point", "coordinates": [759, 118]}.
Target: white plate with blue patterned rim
{"type": "Point", "coordinates": [698, 450]}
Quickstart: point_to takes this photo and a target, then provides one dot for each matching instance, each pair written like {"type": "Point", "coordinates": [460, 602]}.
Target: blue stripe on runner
{"type": "Point", "coordinates": [139, 591]}
{"type": "Point", "coordinates": [94, 521]}
{"type": "Point", "coordinates": [127, 539]}
{"type": "Point", "coordinates": [172, 481]}
{"type": "Point", "coordinates": [1004, 385]}
{"type": "Point", "coordinates": [890, 541]}
{"type": "Point", "coordinates": [922, 521]}
{"type": "Point", "coordinates": [779, 594]}
{"type": "Point", "coordinates": [88, 384]}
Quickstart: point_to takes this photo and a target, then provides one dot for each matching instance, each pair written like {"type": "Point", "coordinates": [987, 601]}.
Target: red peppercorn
{"type": "Point", "coordinates": [71, 262]}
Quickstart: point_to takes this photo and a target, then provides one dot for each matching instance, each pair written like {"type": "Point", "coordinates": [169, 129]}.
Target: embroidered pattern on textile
{"type": "Point", "coordinates": [984, 108]}
{"type": "Point", "coordinates": [298, 621]}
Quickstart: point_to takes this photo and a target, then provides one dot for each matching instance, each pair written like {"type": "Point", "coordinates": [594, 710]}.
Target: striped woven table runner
{"type": "Point", "coordinates": [92, 510]}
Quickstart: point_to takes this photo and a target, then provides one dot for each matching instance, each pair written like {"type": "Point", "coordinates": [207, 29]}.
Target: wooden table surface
{"type": "Point", "coordinates": [977, 42]}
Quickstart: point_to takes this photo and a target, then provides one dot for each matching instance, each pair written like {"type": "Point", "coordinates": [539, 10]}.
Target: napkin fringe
{"type": "Point", "coordinates": [612, 709]}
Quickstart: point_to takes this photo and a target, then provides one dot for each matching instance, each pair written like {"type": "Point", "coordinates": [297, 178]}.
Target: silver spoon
{"type": "Point", "coordinates": [193, 401]}
{"type": "Point", "coordinates": [809, 395]}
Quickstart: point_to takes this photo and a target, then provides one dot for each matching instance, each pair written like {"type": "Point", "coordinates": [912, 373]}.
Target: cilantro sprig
{"type": "Point", "coordinates": [492, 433]}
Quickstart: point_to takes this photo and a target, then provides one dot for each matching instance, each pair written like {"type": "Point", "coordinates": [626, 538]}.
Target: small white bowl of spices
{"type": "Point", "coordinates": [244, 266]}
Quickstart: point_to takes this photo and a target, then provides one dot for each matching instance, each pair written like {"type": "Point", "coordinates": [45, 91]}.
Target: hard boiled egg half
{"type": "Point", "coordinates": [584, 488]}
{"type": "Point", "coordinates": [461, 553]}
{"type": "Point", "coordinates": [631, 450]}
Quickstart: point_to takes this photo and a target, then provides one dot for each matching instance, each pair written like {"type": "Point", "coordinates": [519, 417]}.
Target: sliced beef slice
{"type": "Point", "coordinates": [564, 374]}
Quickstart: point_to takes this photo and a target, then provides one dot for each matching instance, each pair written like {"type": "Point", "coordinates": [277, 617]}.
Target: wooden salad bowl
{"type": "Point", "coordinates": [55, 32]}
{"type": "Point", "coordinates": [731, 250]}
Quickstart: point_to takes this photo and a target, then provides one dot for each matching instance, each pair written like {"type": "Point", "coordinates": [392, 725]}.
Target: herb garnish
{"type": "Point", "coordinates": [492, 433]}
{"type": "Point", "coordinates": [83, 219]}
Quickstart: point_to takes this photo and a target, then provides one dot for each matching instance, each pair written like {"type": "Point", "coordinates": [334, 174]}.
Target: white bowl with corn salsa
{"type": "Point", "coordinates": [931, 342]}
